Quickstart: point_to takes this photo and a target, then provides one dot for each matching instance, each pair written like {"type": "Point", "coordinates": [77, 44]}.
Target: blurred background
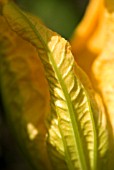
{"type": "Point", "coordinates": [61, 16]}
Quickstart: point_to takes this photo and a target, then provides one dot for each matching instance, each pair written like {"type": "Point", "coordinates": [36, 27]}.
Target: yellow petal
{"type": "Point", "coordinates": [103, 67]}
{"type": "Point", "coordinates": [88, 39]}
{"type": "Point", "coordinates": [87, 25]}
{"type": "Point", "coordinates": [96, 42]}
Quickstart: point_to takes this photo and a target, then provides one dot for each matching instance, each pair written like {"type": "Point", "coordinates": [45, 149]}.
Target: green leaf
{"type": "Point", "coordinates": [74, 131]}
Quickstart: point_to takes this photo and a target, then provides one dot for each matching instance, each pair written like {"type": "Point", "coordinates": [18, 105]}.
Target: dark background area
{"type": "Point", "coordinates": [61, 16]}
